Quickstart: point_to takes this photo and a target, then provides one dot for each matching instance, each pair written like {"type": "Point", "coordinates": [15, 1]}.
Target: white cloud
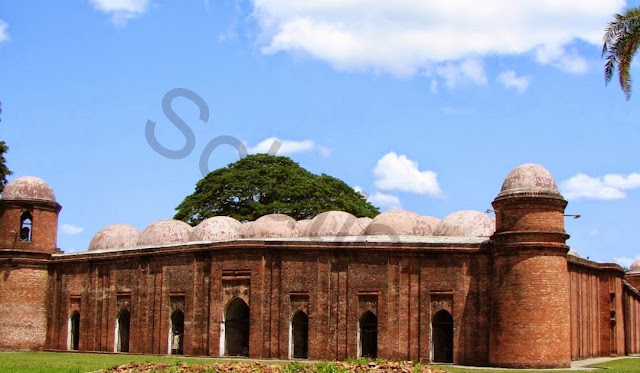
{"type": "Point", "coordinates": [387, 201]}
{"type": "Point", "coordinates": [121, 11]}
{"type": "Point", "coordinates": [433, 86]}
{"type": "Point", "coordinates": [556, 55]}
{"type": "Point", "coordinates": [361, 191]}
{"type": "Point", "coordinates": [509, 79]}
{"type": "Point", "coordinates": [4, 35]}
{"type": "Point", "coordinates": [286, 147]}
{"type": "Point", "coordinates": [626, 261]}
{"type": "Point", "coordinates": [454, 74]}
{"type": "Point", "coordinates": [406, 37]}
{"type": "Point", "coordinates": [608, 187]}
{"type": "Point", "coordinates": [397, 172]}
{"type": "Point", "coordinates": [70, 229]}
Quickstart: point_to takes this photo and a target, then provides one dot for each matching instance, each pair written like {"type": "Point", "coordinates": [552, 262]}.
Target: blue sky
{"type": "Point", "coordinates": [425, 105]}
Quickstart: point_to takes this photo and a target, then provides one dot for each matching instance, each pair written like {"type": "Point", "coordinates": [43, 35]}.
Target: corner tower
{"type": "Point", "coordinates": [29, 216]}
{"type": "Point", "coordinates": [530, 310]}
{"type": "Point", "coordinates": [28, 231]}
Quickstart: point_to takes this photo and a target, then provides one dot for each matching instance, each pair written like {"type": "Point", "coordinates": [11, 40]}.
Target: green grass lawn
{"type": "Point", "coordinates": [76, 362]}
{"type": "Point", "coordinates": [621, 365]}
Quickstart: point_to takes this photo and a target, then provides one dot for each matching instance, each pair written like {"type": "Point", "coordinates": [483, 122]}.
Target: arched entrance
{"type": "Point", "coordinates": [74, 331]}
{"type": "Point", "coordinates": [236, 327]}
{"type": "Point", "coordinates": [368, 335]}
{"type": "Point", "coordinates": [300, 336]}
{"type": "Point", "coordinates": [122, 331]}
{"type": "Point", "coordinates": [176, 333]}
{"type": "Point", "coordinates": [442, 337]}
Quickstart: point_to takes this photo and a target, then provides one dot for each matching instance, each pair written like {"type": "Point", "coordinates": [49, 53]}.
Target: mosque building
{"type": "Point", "coordinates": [469, 289]}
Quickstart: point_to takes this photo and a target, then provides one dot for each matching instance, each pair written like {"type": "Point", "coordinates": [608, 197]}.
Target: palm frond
{"type": "Point", "coordinates": [620, 43]}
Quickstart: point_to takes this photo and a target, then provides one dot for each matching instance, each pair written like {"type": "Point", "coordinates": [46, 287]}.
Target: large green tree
{"type": "Point", "coordinates": [263, 184]}
{"type": "Point", "coordinates": [621, 41]}
{"type": "Point", "coordinates": [4, 170]}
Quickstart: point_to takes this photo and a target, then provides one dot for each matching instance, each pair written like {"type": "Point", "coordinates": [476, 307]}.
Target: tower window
{"type": "Point", "coordinates": [25, 226]}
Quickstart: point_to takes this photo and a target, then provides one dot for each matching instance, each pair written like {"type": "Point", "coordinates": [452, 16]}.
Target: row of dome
{"type": "Point", "coordinates": [328, 224]}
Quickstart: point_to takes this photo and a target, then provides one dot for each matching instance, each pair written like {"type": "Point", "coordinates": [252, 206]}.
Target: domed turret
{"type": "Point", "coordinates": [529, 178]}
{"type": "Point", "coordinates": [530, 261]}
{"type": "Point", "coordinates": [635, 267]}
{"type": "Point", "coordinates": [400, 222]}
{"type": "Point", "coordinates": [529, 201]}
{"type": "Point", "coordinates": [116, 236]}
{"type": "Point", "coordinates": [271, 226]}
{"type": "Point", "coordinates": [334, 223]}
{"type": "Point", "coordinates": [164, 232]}
{"type": "Point", "coordinates": [466, 223]}
{"type": "Point", "coordinates": [28, 188]}
{"type": "Point", "coordinates": [431, 221]}
{"type": "Point", "coordinates": [633, 275]}
{"type": "Point", "coordinates": [29, 216]}
{"type": "Point", "coordinates": [216, 228]}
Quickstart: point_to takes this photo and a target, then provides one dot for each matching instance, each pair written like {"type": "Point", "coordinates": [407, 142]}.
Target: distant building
{"type": "Point", "coordinates": [467, 289]}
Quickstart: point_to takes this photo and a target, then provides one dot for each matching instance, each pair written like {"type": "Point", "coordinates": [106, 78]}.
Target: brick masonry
{"type": "Point", "coordinates": [516, 300]}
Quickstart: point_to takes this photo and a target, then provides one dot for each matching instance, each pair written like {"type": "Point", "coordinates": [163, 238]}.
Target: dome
{"type": "Point", "coordinates": [573, 253]}
{"type": "Point", "coordinates": [334, 223]}
{"type": "Point", "coordinates": [163, 232]}
{"type": "Point", "coordinates": [271, 226]}
{"type": "Point", "coordinates": [116, 236]}
{"type": "Point", "coordinates": [365, 221]}
{"type": "Point", "coordinates": [398, 222]}
{"type": "Point", "coordinates": [244, 229]}
{"type": "Point", "coordinates": [301, 226]}
{"type": "Point", "coordinates": [529, 178]}
{"type": "Point", "coordinates": [466, 223]}
{"type": "Point", "coordinates": [635, 267]}
{"type": "Point", "coordinates": [431, 222]}
{"type": "Point", "coordinates": [216, 228]}
{"type": "Point", "coordinates": [28, 187]}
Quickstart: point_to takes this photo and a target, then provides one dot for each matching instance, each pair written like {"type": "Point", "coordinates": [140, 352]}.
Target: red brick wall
{"type": "Point", "coordinates": [530, 320]}
{"type": "Point", "coordinates": [23, 306]}
{"type": "Point", "coordinates": [44, 225]}
{"type": "Point", "coordinates": [632, 320]}
{"type": "Point", "coordinates": [333, 286]}
{"type": "Point", "coordinates": [585, 311]}
{"type": "Point", "coordinates": [633, 279]}
{"type": "Point", "coordinates": [403, 285]}
{"type": "Point", "coordinates": [530, 309]}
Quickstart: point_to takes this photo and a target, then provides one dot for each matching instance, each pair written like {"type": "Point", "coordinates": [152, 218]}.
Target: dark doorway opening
{"type": "Point", "coordinates": [300, 335]}
{"type": "Point", "coordinates": [236, 323]}
{"type": "Point", "coordinates": [442, 329]}
{"type": "Point", "coordinates": [124, 320]}
{"type": "Point", "coordinates": [177, 333]}
{"type": "Point", "coordinates": [74, 331]}
{"type": "Point", "coordinates": [369, 335]}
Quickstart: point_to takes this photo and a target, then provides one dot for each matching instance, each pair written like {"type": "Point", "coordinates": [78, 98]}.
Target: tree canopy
{"type": "Point", "coordinates": [4, 170]}
{"type": "Point", "coordinates": [621, 41]}
{"type": "Point", "coordinates": [262, 184]}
